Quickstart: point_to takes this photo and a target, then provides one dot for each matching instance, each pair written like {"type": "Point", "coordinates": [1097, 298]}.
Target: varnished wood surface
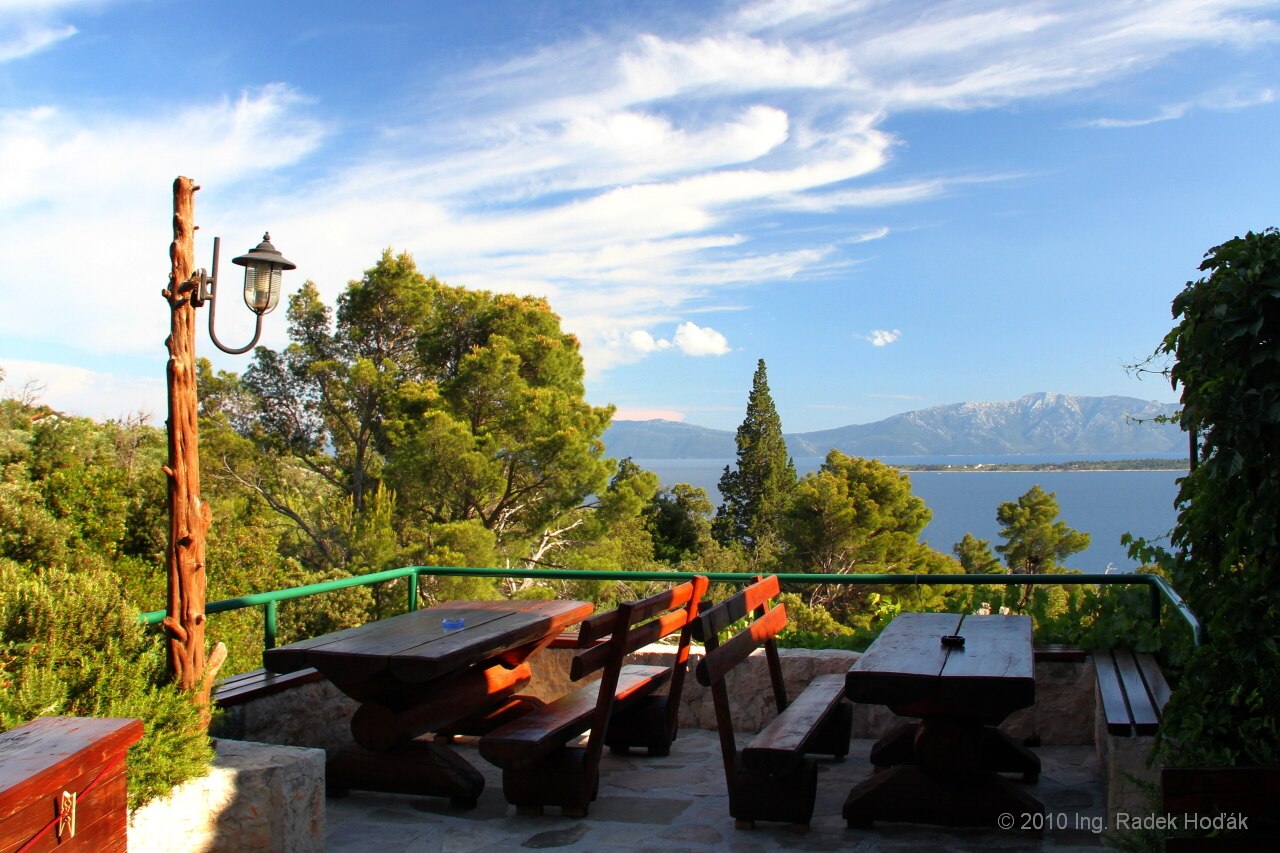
{"type": "Point", "coordinates": [415, 647]}
{"type": "Point", "coordinates": [908, 668]}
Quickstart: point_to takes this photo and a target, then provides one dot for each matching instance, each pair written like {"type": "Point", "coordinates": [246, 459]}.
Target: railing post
{"type": "Point", "coordinates": [269, 625]}
{"type": "Point", "coordinates": [1154, 592]}
{"type": "Point", "coordinates": [413, 592]}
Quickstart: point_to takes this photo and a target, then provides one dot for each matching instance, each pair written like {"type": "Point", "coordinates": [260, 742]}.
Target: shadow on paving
{"type": "Point", "coordinates": [679, 802]}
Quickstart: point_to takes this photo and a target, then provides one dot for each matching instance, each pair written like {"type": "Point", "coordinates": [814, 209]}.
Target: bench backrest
{"type": "Point", "coordinates": [767, 620]}
{"type": "Point", "coordinates": [633, 625]}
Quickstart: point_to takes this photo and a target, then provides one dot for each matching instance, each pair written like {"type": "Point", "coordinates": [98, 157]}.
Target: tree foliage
{"type": "Point", "coordinates": [1036, 540]}
{"type": "Point", "coordinates": [1226, 351]}
{"type": "Point", "coordinates": [856, 515]}
{"type": "Point", "coordinates": [755, 494]}
{"type": "Point", "coordinates": [413, 409]}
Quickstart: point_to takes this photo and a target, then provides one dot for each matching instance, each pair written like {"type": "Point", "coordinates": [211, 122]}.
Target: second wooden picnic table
{"type": "Point", "coordinates": [945, 768]}
{"type": "Point", "coordinates": [456, 667]}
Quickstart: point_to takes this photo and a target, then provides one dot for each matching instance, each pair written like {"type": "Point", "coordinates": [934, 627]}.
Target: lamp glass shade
{"type": "Point", "coordinates": [262, 286]}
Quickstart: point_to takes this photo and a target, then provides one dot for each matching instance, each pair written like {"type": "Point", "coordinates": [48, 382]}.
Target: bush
{"type": "Point", "coordinates": [71, 645]}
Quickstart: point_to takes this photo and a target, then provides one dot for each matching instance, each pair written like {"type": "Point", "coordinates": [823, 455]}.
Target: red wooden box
{"type": "Point", "coordinates": [48, 762]}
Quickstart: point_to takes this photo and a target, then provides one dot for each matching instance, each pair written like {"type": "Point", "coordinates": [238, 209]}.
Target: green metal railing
{"type": "Point", "coordinates": [1160, 591]}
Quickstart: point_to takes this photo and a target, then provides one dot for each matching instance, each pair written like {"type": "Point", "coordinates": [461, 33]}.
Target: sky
{"type": "Point", "coordinates": [895, 204]}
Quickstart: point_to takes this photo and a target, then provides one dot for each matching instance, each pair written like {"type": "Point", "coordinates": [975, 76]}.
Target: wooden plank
{"type": "Point", "coordinates": [522, 741]}
{"type": "Point", "coordinates": [1114, 705]}
{"type": "Point", "coordinates": [260, 682]}
{"type": "Point", "coordinates": [780, 744]}
{"type": "Point", "coordinates": [471, 644]}
{"type": "Point", "coordinates": [593, 659]}
{"type": "Point", "coordinates": [1141, 710]}
{"type": "Point", "coordinates": [719, 661]}
{"type": "Point", "coordinates": [373, 642]}
{"type": "Point", "coordinates": [993, 674]}
{"type": "Point", "coordinates": [900, 669]}
{"type": "Point", "coordinates": [49, 750]}
{"type": "Point", "coordinates": [1157, 686]}
{"type": "Point", "coordinates": [378, 727]}
{"type": "Point", "coordinates": [736, 607]}
{"type": "Point", "coordinates": [1060, 653]}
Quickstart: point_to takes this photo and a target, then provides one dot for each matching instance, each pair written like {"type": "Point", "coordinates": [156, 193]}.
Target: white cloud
{"type": "Point", "coordinates": [696, 340]}
{"type": "Point", "coordinates": [1216, 101]}
{"type": "Point", "coordinates": [91, 207]}
{"type": "Point", "coordinates": [87, 393]}
{"type": "Point", "coordinates": [883, 337]}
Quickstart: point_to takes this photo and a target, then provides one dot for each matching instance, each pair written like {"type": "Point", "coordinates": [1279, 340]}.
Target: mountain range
{"type": "Point", "coordinates": [1037, 423]}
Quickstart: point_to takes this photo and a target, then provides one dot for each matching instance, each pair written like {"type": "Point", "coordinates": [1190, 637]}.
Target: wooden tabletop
{"type": "Point", "coordinates": [415, 647]}
{"type": "Point", "coordinates": [908, 668]}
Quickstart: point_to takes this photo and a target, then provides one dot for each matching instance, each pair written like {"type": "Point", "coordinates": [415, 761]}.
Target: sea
{"type": "Point", "coordinates": [1104, 504]}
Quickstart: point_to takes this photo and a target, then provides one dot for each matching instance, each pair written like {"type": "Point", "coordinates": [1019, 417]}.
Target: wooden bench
{"type": "Point", "coordinates": [1246, 794]}
{"type": "Point", "coordinates": [1133, 691]}
{"type": "Point", "coordinates": [256, 683]}
{"type": "Point", "coordinates": [541, 755]}
{"type": "Point", "coordinates": [770, 778]}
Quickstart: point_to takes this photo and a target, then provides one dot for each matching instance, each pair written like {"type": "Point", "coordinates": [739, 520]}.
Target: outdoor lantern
{"type": "Point", "coordinates": [263, 268]}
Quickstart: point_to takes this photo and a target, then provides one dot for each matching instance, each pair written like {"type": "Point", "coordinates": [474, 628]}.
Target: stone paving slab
{"type": "Point", "coordinates": [679, 803]}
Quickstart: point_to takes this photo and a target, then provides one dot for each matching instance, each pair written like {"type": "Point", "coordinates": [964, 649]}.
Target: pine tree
{"type": "Point", "coordinates": [756, 494]}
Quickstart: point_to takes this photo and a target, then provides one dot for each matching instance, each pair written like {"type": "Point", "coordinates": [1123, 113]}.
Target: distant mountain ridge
{"type": "Point", "coordinates": [1037, 423]}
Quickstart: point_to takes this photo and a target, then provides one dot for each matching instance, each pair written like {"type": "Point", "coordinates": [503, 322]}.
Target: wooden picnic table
{"type": "Point", "coordinates": [945, 767]}
{"type": "Point", "coordinates": [456, 667]}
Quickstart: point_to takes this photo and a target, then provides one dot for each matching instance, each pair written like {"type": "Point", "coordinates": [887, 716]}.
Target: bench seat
{"type": "Point", "coordinates": [256, 683]}
{"type": "Point", "coordinates": [527, 739]}
{"type": "Point", "coordinates": [772, 778]}
{"type": "Point", "coordinates": [782, 743]}
{"type": "Point", "coordinates": [545, 760]}
{"type": "Point", "coordinates": [1131, 696]}
{"type": "Point", "coordinates": [1133, 691]}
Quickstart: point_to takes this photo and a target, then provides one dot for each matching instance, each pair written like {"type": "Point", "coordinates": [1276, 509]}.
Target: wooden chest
{"type": "Point", "coordinates": [62, 785]}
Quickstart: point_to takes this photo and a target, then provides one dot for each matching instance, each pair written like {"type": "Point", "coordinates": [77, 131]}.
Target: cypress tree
{"type": "Point", "coordinates": [755, 494]}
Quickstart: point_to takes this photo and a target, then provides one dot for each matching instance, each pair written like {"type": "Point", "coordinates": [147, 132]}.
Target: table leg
{"type": "Point", "coordinates": [948, 777]}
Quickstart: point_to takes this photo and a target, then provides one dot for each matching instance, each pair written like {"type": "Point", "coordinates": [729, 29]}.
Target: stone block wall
{"type": "Point", "coordinates": [256, 797]}
{"type": "Point", "coordinates": [1125, 772]}
{"type": "Point", "coordinates": [315, 714]}
{"type": "Point", "coordinates": [1062, 715]}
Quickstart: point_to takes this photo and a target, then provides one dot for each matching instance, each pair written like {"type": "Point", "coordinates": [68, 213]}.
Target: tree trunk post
{"type": "Point", "coordinates": [189, 515]}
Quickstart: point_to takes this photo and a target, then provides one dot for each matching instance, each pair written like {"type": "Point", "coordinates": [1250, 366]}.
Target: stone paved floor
{"type": "Point", "coordinates": [678, 803]}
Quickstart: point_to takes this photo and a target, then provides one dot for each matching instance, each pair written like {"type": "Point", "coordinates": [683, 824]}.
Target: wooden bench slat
{"type": "Point", "coordinates": [260, 682]}
{"type": "Point", "coordinates": [780, 744]}
{"type": "Point", "coordinates": [717, 662]}
{"type": "Point", "coordinates": [1157, 686]}
{"type": "Point", "coordinates": [1141, 710]}
{"type": "Point", "coordinates": [737, 606]}
{"type": "Point", "coordinates": [524, 740]}
{"type": "Point", "coordinates": [1114, 705]}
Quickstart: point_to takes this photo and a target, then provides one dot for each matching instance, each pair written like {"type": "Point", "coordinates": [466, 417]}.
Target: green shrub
{"type": "Point", "coordinates": [71, 645]}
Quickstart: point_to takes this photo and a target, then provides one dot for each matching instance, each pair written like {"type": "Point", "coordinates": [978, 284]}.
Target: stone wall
{"type": "Point", "coordinates": [1062, 715]}
{"type": "Point", "coordinates": [318, 715]}
{"type": "Point", "coordinates": [1126, 776]}
{"type": "Point", "coordinates": [314, 714]}
{"type": "Point", "coordinates": [256, 797]}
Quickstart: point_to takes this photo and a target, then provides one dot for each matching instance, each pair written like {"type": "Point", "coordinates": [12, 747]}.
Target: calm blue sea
{"type": "Point", "coordinates": [1105, 504]}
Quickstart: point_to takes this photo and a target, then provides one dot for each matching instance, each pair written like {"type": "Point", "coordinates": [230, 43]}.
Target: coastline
{"type": "Point", "coordinates": [1082, 466]}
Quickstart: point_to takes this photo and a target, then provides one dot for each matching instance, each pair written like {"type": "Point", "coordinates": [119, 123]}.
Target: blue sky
{"type": "Point", "coordinates": [895, 204]}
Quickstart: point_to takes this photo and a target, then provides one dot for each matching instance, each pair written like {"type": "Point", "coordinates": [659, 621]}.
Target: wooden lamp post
{"type": "Point", "coordinates": [189, 515]}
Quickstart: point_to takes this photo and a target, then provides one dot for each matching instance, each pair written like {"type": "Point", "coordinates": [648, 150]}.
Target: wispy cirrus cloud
{"type": "Point", "coordinates": [637, 179]}
{"type": "Point", "coordinates": [1219, 101]}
